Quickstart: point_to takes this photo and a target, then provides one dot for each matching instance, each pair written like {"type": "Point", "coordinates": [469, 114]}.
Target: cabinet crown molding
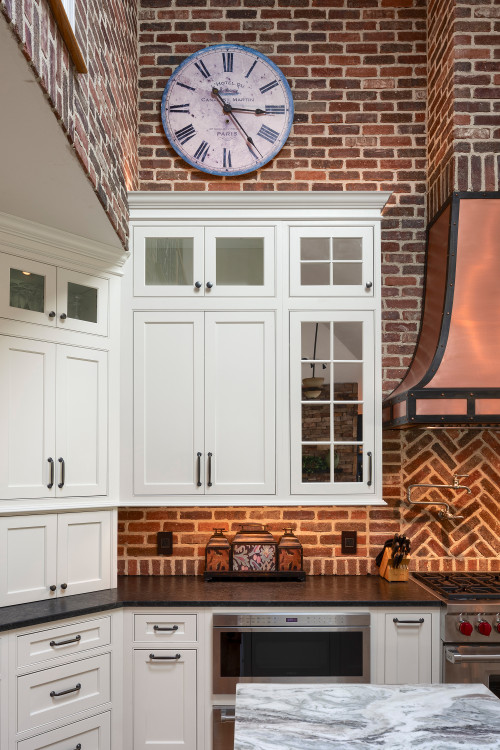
{"type": "Point", "coordinates": [299, 204]}
{"type": "Point", "coordinates": [53, 245]}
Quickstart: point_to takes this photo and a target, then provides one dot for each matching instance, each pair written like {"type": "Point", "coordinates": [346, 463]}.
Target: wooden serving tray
{"type": "Point", "coordinates": [254, 575]}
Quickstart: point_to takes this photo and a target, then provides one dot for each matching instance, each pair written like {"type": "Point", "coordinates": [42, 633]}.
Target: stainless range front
{"type": "Point", "coordinates": [290, 648]}
{"type": "Point", "coordinates": [470, 631]}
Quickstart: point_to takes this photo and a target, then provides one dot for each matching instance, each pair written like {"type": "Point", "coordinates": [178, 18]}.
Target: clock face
{"type": "Point", "coordinates": [227, 110]}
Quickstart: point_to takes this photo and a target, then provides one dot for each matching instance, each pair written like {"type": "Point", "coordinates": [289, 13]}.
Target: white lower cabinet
{"type": "Point", "coordinates": [165, 705]}
{"type": "Point", "coordinates": [69, 553]}
{"type": "Point", "coordinates": [88, 734]}
{"type": "Point", "coordinates": [411, 647]}
{"type": "Point", "coordinates": [60, 692]}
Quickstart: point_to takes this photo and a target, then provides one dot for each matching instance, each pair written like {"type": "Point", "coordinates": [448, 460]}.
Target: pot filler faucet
{"type": "Point", "coordinates": [443, 514]}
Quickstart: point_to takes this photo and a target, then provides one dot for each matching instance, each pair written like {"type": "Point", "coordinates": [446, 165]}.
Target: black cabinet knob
{"type": "Point", "coordinates": [198, 284]}
{"type": "Point", "coordinates": [52, 314]}
{"type": "Point", "coordinates": [52, 588]}
{"type": "Point", "coordinates": [63, 316]}
{"type": "Point", "coordinates": [209, 285]}
{"type": "Point", "coordinates": [64, 586]}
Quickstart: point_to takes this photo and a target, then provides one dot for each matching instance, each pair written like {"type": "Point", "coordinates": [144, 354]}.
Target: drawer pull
{"type": "Point", "coordinates": [77, 687]}
{"type": "Point", "coordinates": [408, 622]}
{"type": "Point", "coordinates": [160, 629]}
{"type": "Point", "coordinates": [65, 643]}
{"type": "Point", "coordinates": [165, 658]}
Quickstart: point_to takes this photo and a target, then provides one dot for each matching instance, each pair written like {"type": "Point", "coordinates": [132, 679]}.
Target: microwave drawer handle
{"type": "Point", "coordinates": [227, 716]}
{"type": "Point", "coordinates": [159, 629]}
{"type": "Point", "coordinates": [455, 657]}
{"type": "Point", "coordinates": [164, 658]}
{"type": "Point", "coordinates": [408, 622]}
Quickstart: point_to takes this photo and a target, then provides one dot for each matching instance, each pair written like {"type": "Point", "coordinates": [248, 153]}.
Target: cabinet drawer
{"type": "Point", "coordinates": [35, 648]}
{"type": "Point", "coordinates": [91, 734]}
{"type": "Point", "coordinates": [165, 628]}
{"type": "Point", "coordinates": [36, 699]}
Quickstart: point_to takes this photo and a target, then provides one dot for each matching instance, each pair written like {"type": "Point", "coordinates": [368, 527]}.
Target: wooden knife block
{"type": "Point", "coordinates": [387, 571]}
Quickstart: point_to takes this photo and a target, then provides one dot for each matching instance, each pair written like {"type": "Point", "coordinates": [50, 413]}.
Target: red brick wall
{"type": "Point", "coordinates": [360, 80]}
{"type": "Point", "coordinates": [97, 111]}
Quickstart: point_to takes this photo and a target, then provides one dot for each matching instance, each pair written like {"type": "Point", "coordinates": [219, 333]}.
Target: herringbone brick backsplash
{"type": "Point", "coordinates": [411, 456]}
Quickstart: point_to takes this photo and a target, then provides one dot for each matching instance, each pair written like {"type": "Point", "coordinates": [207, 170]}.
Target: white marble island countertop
{"type": "Point", "coordinates": [362, 717]}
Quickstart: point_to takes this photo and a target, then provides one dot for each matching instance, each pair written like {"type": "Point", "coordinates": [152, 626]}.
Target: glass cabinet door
{"type": "Point", "coordinates": [28, 290]}
{"type": "Point", "coordinates": [239, 261]}
{"type": "Point", "coordinates": [168, 261]}
{"type": "Point", "coordinates": [82, 302]}
{"type": "Point", "coordinates": [332, 419]}
{"type": "Point", "coordinates": [331, 261]}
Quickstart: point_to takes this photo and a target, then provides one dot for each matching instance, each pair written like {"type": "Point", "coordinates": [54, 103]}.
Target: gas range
{"type": "Point", "coordinates": [472, 605]}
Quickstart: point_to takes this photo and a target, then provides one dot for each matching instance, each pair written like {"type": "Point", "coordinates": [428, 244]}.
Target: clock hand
{"type": "Point", "coordinates": [253, 111]}
{"type": "Point", "coordinates": [228, 110]}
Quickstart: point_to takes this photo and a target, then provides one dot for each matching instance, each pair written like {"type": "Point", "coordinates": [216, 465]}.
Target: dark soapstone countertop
{"type": "Point", "coordinates": [193, 591]}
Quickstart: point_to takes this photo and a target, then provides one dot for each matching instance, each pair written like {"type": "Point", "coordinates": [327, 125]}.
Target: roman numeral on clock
{"type": "Point", "coordinates": [185, 86]}
{"type": "Point", "coordinates": [268, 134]}
{"type": "Point", "coordinates": [227, 61]}
{"type": "Point", "coordinates": [250, 70]}
{"type": "Point", "coordinates": [202, 68]}
{"type": "Point", "coordinates": [185, 134]}
{"type": "Point", "coordinates": [179, 108]}
{"type": "Point", "coordinates": [275, 109]}
{"type": "Point", "coordinates": [226, 159]}
{"type": "Point", "coordinates": [268, 87]}
{"type": "Point", "coordinates": [201, 151]}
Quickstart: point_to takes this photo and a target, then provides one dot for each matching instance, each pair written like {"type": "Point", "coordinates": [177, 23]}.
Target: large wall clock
{"type": "Point", "coordinates": [227, 110]}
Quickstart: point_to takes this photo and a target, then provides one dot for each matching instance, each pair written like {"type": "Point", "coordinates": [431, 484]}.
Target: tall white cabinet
{"type": "Point", "coordinates": [251, 350]}
{"type": "Point", "coordinates": [59, 399]}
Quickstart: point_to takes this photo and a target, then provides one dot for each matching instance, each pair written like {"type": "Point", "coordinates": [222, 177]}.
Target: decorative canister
{"type": "Point", "coordinates": [290, 553]}
{"type": "Point", "coordinates": [218, 552]}
{"type": "Point", "coordinates": [254, 548]}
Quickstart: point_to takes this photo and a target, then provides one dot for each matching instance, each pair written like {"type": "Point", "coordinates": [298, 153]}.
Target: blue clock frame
{"type": "Point", "coordinates": [170, 135]}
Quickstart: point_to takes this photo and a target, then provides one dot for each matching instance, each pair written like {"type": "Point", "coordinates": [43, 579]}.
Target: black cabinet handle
{"type": "Point", "coordinates": [198, 483]}
{"type": "Point", "coordinates": [408, 622]}
{"type": "Point", "coordinates": [164, 658]}
{"type": "Point", "coordinates": [160, 629]}
{"type": "Point", "coordinates": [209, 483]}
{"type": "Point", "coordinates": [370, 468]}
{"type": "Point", "coordinates": [52, 588]}
{"type": "Point", "coordinates": [209, 285]}
{"type": "Point", "coordinates": [64, 586]}
{"type": "Point", "coordinates": [64, 643]}
{"type": "Point", "coordinates": [63, 316]}
{"type": "Point", "coordinates": [51, 480]}
{"type": "Point", "coordinates": [63, 473]}
{"type": "Point", "coordinates": [198, 284]}
{"type": "Point", "coordinates": [52, 314]}
{"type": "Point", "coordinates": [77, 687]}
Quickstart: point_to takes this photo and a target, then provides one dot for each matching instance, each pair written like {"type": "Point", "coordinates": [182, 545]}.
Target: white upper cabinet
{"type": "Point", "coordinates": [186, 261]}
{"type": "Point", "coordinates": [204, 408]}
{"type": "Point", "coordinates": [332, 402]}
{"type": "Point", "coordinates": [328, 261]}
{"type": "Point", "coordinates": [40, 293]}
{"type": "Point", "coordinates": [53, 434]}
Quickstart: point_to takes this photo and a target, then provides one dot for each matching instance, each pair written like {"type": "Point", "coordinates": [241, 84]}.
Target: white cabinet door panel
{"type": "Point", "coordinates": [408, 648]}
{"type": "Point", "coordinates": [168, 402]}
{"type": "Point", "coordinates": [165, 700]}
{"type": "Point", "coordinates": [240, 402]}
{"type": "Point", "coordinates": [82, 301]}
{"type": "Point", "coordinates": [81, 421]}
{"type": "Point", "coordinates": [28, 561]}
{"type": "Point", "coordinates": [45, 696]}
{"type": "Point", "coordinates": [44, 645]}
{"type": "Point", "coordinates": [88, 734]}
{"type": "Point", "coordinates": [168, 261]}
{"type": "Point", "coordinates": [84, 552]}
{"type": "Point", "coordinates": [27, 427]}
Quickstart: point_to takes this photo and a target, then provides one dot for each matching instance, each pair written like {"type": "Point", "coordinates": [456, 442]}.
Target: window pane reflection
{"type": "Point", "coordinates": [316, 463]}
{"type": "Point", "coordinates": [82, 302]}
{"type": "Point", "coordinates": [27, 290]}
{"type": "Point", "coordinates": [239, 261]}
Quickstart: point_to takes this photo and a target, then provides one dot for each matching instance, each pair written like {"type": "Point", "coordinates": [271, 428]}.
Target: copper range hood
{"type": "Point", "coordinates": [454, 377]}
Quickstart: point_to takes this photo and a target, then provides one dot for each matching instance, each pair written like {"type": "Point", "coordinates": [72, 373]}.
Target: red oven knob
{"type": "Point", "coordinates": [465, 627]}
{"type": "Point", "coordinates": [484, 627]}
{"type": "Point", "coordinates": [498, 626]}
